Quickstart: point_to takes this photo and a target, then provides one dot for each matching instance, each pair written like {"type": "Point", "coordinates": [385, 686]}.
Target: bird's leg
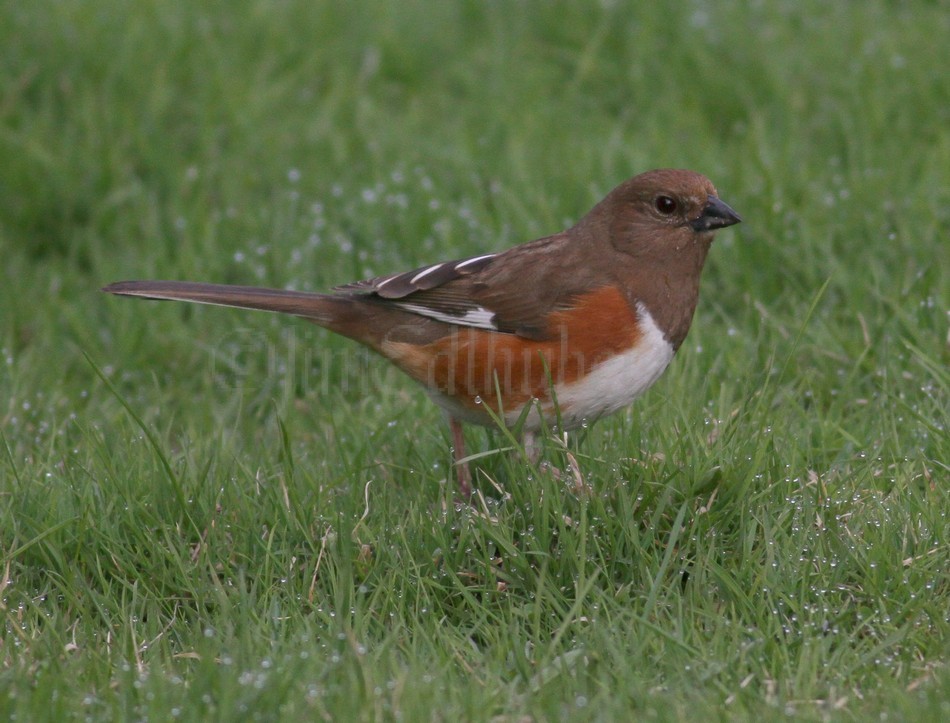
{"type": "Point", "coordinates": [462, 473]}
{"type": "Point", "coordinates": [532, 453]}
{"type": "Point", "coordinates": [532, 449]}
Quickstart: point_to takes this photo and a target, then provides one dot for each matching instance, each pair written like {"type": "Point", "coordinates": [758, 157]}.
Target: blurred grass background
{"type": "Point", "coordinates": [766, 532]}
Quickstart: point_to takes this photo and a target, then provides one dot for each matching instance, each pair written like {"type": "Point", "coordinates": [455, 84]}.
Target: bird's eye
{"type": "Point", "coordinates": [665, 205]}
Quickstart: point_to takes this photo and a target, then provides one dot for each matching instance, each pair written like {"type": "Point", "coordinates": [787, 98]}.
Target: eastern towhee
{"type": "Point", "coordinates": [565, 329]}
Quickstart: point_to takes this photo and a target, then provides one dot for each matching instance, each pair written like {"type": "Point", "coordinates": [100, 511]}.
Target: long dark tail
{"type": "Point", "coordinates": [320, 308]}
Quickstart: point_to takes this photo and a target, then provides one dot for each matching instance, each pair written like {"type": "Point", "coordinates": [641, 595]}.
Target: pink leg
{"type": "Point", "coordinates": [532, 448]}
{"type": "Point", "coordinates": [462, 473]}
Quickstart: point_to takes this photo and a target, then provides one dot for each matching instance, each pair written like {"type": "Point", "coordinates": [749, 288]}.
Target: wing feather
{"type": "Point", "coordinates": [512, 292]}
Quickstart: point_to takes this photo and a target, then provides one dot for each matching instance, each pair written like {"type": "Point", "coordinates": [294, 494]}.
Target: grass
{"type": "Point", "coordinates": [210, 514]}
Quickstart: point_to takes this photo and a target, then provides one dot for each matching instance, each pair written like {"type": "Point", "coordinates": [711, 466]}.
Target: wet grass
{"type": "Point", "coordinates": [214, 514]}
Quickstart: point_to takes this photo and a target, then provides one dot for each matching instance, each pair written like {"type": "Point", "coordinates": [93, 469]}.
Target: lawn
{"type": "Point", "coordinates": [210, 514]}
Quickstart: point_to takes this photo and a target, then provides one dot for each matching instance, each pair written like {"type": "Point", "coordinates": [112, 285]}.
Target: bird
{"type": "Point", "coordinates": [555, 332]}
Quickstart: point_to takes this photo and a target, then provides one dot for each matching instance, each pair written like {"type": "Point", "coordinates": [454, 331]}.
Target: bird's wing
{"type": "Point", "coordinates": [512, 292]}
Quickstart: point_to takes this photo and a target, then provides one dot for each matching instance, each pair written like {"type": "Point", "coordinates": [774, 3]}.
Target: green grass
{"type": "Point", "coordinates": [246, 518]}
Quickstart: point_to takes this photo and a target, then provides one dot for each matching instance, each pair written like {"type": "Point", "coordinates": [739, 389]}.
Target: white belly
{"type": "Point", "coordinates": [615, 383]}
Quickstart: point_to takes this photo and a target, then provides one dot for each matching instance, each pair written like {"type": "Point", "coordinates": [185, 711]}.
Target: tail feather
{"type": "Point", "coordinates": [359, 316]}
{"type": "Point", "coordinates": [316, 307]}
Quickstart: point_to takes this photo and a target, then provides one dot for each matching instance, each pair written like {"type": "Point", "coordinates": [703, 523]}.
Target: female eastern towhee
{"type": "Point", "coordinates": [574, 326]}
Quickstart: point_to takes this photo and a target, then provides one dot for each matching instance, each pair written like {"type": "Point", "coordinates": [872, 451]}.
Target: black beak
{"type": "Point", "coordinates": [716, 214]}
